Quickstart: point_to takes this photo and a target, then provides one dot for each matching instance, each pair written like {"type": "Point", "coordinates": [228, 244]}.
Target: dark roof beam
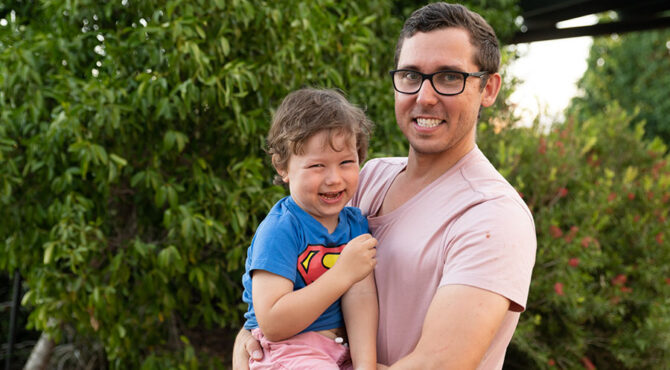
{"type": "Point", "coordinates": [636, 9]}
{"type": "Point", "coordinates": [572, 10]}
{"type": "Point", "coordinates": [626, 25]}
{"type": "Point", "coordinates": [534, 8]}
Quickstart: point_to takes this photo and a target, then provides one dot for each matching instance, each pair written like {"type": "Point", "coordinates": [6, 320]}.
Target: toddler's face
{"type": "Point", "coordinates": [322, 180]}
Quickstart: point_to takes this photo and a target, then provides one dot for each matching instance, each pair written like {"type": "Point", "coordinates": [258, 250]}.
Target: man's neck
{"type": "Point", "coordinates": [425, 168]}
{"type": "Point", "coordinates": [422, 169]}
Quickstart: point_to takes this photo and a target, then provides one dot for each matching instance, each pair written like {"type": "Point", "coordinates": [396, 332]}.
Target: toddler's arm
{"type": "Point", "coordinates": [283, 313]}
{"type": "Point", "coordinates": [360, 309]}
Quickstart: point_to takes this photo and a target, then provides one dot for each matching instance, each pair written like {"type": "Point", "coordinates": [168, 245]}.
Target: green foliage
{"type": "Point", "coordinates": [633, 69]}
{"type": "Point", "coordinates": [132, 172]}
{"type": "Point", "coordinates": [600, 199]}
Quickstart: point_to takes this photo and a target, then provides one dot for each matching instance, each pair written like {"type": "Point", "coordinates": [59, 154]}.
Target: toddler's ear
{"type": "Point", "coordinates": [280, 171]}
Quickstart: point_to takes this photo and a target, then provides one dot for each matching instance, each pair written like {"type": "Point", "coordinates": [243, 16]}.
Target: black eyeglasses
{"type": "Point", "coordinates": [406, 81]}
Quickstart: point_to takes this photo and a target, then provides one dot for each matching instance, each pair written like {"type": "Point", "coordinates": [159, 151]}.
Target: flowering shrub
{"type": "Point", "coordinates": [600, 195]}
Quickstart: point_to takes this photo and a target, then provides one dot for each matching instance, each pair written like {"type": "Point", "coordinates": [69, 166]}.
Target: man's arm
{"type": "Point", "coordinates": [360, 310]}
{"type": "Point", "coordinates": [459, 326]}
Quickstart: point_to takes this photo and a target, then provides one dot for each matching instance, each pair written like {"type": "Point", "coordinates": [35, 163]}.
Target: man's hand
{"type": "Point", "coordinates": [245, 347]}
{"type": "Point", "coordinates": [357, 259]}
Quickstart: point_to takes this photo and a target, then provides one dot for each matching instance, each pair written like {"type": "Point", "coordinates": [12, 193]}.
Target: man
{"type": "Point", "coordinates": [456, 242]}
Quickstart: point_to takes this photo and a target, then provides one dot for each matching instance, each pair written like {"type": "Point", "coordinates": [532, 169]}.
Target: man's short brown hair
{"type": "Point", "coordinates": [443, 15]}
{"type": "Point", "coordinates": [308, 111]}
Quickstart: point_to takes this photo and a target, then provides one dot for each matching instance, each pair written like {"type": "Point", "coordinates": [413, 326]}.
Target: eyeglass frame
{"type": "Point", "coordinates": [429, 77]}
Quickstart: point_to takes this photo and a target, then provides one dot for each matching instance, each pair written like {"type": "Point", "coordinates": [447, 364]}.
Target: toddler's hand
{"type": "Point", "coordinates": [357, 259]}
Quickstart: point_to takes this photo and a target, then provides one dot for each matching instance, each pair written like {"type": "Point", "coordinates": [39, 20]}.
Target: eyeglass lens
{"type": "Point", "coordinates": [444, 82]}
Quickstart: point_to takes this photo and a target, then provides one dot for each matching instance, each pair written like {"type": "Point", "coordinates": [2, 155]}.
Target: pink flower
{"type": "Point", "coordinates": [588, 364]}
{"type": "Point", "coordinates": [571, 234]}
{"type": "Point", "coordinates": [659, 238]}
{"type": "Point", "coordinates": [631, 196]}
{"type": "Point", "coordinates": [558, 288]}
{"type": "Point", "coordinates": [562, 192]}
{"type": "Point", "coordinates": [561, 147]}
{"type": "Point", "coordinates": [619, 279]}
{"type": "Point", "coordinates": [542, 148]}
{"type": "Point", "coordinates": [611, 196]}
{"type": "Point", "coordinates": [551, 362]}
{"type": "Point", "coordinates": [555, 231]}
{"type": "Point", "coordinates": [592, 161]}
{"type": "Point", "coordinates": [574, 262]}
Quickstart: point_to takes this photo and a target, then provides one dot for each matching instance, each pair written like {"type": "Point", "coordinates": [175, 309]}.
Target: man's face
{"type": "Point", "coordinates": [433, 123]}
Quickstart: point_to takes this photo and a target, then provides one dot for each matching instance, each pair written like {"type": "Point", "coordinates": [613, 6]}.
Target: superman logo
{"type": "Point", "coordinates": [317, 259]}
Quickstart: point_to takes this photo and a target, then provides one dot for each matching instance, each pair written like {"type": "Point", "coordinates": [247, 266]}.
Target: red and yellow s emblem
{"type": "Point", "coordinates": [317, 259]}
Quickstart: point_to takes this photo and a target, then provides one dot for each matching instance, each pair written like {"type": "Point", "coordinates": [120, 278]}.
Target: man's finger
{"type": "Point", "coordinates": [254, 349]}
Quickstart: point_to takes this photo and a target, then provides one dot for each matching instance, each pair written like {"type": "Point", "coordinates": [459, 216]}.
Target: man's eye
{"type": "Point", "coordinates": [348, 162]}
{"type": "Point", "coordinates": [448, 77]}
{"type": "Point", "coordinates": [318, 165]}
{"type": "Point", "coordinates": [411, 76]}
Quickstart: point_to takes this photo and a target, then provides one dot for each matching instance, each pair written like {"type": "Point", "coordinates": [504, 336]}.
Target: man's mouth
{"type": "Point", "coordinates": [428, 122]}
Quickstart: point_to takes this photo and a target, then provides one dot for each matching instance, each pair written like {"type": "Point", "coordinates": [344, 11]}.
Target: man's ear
{"type": "Point", "coordinates": [491, 89]}
{"type": "Point", "coordinates": [281, 171]}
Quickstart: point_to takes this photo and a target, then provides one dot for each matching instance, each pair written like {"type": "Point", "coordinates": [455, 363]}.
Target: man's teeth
{"type": "Point", "coordinates": [331, 195]}
{"type": "Point", "coordinates": [428, 122]}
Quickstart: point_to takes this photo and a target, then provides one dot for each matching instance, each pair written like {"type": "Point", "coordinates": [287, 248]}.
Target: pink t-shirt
{"type": "Point", "coordinates": [468, 227]}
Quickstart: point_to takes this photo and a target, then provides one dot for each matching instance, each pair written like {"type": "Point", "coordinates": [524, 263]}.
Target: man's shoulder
{"type": "Point", "coordinates": [377, 170]}
{"type": "Point", "coordinates": [482, 177]}
{"type": "Point", "coordinates": [380, 164]}
{"type": "Point", "coordinates": [495, 193]}
{"type": "Point", "coordinates": [376, 176]}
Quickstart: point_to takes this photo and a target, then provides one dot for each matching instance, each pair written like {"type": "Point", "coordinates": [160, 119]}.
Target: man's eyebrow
{"type": "Point", "coordinates": [440, 68]}
{"type": "Point", "coordinates": [412, 67]}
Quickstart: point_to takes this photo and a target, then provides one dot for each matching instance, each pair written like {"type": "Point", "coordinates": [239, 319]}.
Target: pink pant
{"type": "Point", "coordinates": [304, 351]}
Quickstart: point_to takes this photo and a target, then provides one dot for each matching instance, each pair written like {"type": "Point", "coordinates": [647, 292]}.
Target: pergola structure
{"type": "Point", "coordinates": [541, 16]}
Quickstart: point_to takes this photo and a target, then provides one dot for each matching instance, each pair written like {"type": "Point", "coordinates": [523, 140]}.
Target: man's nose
{"type": "Point", "coordinates": [426, 94]}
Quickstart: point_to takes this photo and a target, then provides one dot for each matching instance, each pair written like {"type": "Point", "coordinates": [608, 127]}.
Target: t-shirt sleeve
{"type": "Point", "coordinates": [275, 247]}
{"type": "Point", "coordinates": [492, 246]}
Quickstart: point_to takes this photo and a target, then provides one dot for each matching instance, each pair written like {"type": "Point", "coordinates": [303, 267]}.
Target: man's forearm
{"type": "Point", "coordinates": [458, 329]}
{"type": "Point", "coordinates": [360, 309]}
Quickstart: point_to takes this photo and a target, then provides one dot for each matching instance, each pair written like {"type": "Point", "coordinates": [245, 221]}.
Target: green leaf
{"type": "Point", "coordinates": [48, 253]}
{"type": "Point", "coordinates": [121, 162]}
{"type": "Point", "coordinates": [225, 46]}
{"type": "Point", "coordinates": [160, 196]}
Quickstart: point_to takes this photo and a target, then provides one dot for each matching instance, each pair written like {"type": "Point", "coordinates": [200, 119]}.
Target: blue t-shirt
{"type": "Point", "coordinates": [293, 244]}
